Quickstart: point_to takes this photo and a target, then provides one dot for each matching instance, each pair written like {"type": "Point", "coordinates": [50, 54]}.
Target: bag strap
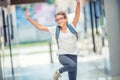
{"type": "Point", "coordinates": [57, 35]}
{"type": "Point", "coordinates": [57, 32]}
{"type": "Point", "coordinates": [72, 30]}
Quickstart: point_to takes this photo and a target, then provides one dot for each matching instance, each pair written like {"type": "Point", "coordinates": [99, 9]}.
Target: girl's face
{"type": "Point", "coordinates": [61, 20]}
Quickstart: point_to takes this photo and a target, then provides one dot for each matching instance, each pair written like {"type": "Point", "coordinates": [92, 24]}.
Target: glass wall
{"type": "Point", "coordinates": [30, 54]}
{"type": "Point", "coordinates": [7, 43]}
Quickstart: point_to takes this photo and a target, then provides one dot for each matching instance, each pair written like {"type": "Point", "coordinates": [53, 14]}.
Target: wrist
{"type": "Point", "coordinates": [28, 18]}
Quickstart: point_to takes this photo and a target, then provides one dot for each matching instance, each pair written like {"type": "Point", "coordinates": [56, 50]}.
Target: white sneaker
{"type": "Point", "coordinates": [56, 75]}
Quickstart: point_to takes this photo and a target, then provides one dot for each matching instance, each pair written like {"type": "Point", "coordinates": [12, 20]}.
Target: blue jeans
{"type": "Point", "coordinates": [69, 63]}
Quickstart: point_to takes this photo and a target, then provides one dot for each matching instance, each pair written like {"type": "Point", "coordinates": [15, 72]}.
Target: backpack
{"type": "Point", "coordinates": [72, 30]}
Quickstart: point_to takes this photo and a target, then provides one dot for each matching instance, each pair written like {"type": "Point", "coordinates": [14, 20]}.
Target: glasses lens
{"type": "Point", "coordinates": [59, 19]}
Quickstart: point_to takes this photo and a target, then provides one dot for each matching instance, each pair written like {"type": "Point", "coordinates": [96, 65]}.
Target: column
{"type": "Point", "coordinates": [112, 10]}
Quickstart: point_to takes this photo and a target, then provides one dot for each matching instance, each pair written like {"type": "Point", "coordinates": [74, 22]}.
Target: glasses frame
{"type": "Point", "coordinates": [56, 20]}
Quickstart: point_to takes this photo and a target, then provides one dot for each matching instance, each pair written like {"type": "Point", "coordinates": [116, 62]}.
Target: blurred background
{"type": "Point", "coordinates": [27, 53]}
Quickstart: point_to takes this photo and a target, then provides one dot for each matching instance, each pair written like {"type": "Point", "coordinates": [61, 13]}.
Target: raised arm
{"type": "Point", "coordinates": [36, 24]}
{"type": "Point", "coordinates": [77, 13]}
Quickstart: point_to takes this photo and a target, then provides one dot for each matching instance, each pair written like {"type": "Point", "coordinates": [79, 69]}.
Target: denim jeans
{"type": "Point", "coordinates": [69, 63]}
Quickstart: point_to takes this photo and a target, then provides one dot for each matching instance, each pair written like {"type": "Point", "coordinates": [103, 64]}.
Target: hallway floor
{"type": "Point", "coordinates": [38, 67]}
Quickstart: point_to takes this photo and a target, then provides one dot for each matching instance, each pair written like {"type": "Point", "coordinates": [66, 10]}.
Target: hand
{"type": "Point", "coordinates": [27, 14]}
{"type": "Point", "coordinates": [86, 1]}
{"type": "Point", "coordinates": [83, 2]}
{"type": "Point", "coordinates": [77, 0]}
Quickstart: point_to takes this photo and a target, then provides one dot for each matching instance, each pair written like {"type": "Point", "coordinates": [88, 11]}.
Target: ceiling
{"type": "Point", "coordinates": [25, 1]}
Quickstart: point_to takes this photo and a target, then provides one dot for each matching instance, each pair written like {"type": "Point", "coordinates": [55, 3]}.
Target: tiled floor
{"type": "Point", "coordinates": [37, 67]}
{"type": "Point", "coordinates": [45, 72]}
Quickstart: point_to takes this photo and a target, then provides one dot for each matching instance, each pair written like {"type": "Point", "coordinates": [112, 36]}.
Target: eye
{"type": "Point", "coordinates": [59, 19]}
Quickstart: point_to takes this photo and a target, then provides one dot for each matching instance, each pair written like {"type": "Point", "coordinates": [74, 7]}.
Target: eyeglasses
{"type": "Point", "coordinates": [59, 19]}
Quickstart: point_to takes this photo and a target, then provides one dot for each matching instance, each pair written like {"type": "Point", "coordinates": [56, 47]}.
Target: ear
{"type": "Point", "coordinates": [66, 19]}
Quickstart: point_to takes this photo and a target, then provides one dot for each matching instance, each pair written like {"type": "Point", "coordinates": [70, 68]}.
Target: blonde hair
{"type": "Point", "coordinates": [61, 13]}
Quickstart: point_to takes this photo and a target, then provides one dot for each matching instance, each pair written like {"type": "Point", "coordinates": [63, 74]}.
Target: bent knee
{"type": "Point", "coordinates": [73, 66]}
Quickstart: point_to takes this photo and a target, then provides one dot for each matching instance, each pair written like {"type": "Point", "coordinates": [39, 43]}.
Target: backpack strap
{"type": "Point", "coordinates": [57, 32]}
{"type": "Point", "coordinates": [57, 35]}
{"type": "Point", "coordinates": [72, 30]}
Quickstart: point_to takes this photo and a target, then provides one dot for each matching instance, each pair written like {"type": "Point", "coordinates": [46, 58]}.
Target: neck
{"type": "Point", "coordinates": [63, 27]}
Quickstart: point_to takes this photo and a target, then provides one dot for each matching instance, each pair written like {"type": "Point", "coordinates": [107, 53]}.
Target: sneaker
{"type": "Point", "coordinates": [56, 75]}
